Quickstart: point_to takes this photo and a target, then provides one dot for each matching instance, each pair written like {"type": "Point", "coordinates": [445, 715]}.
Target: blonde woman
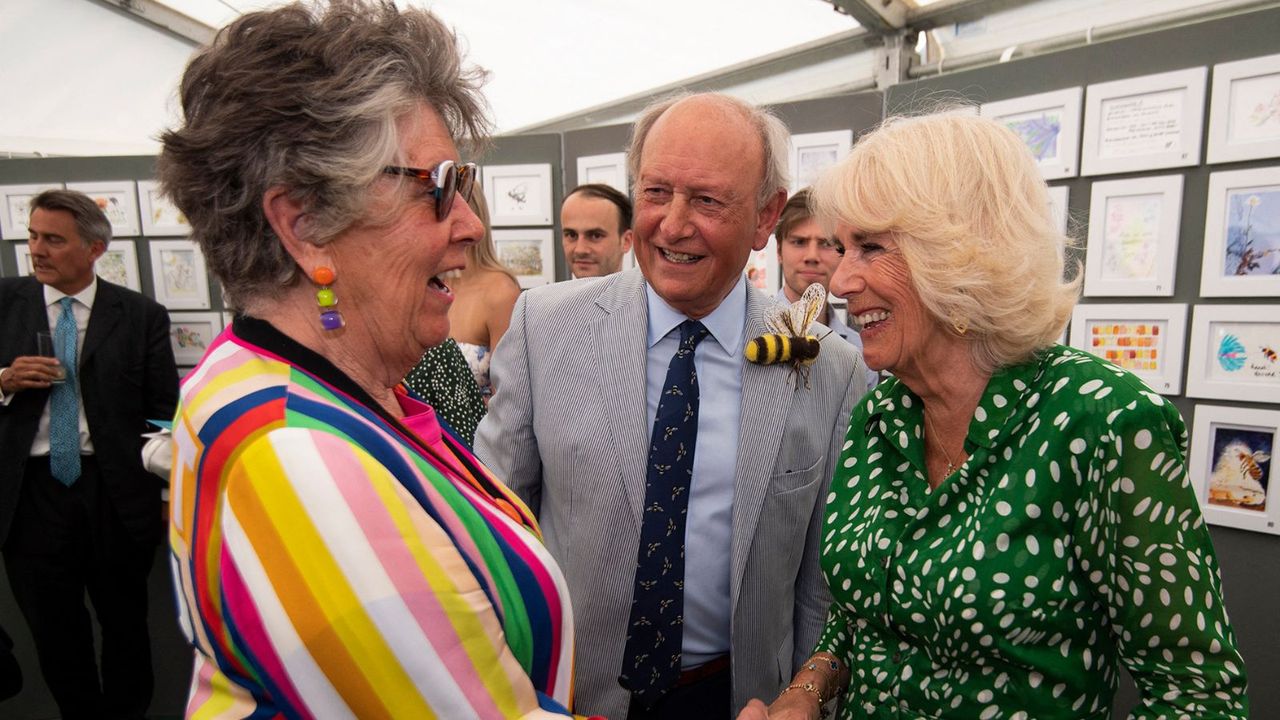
{"type": "Point", "coordinates": [484, 294]}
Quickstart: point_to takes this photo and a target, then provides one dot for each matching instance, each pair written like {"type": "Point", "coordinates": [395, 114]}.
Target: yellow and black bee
{"type": "Point", "coordinates": [1250, 464]}
{"type": "Point", "coordinates": [789, 340]}
{"type": "Point", "coordinates": [1270, 353]}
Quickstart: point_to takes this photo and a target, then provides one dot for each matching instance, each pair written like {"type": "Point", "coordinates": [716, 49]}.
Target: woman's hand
{"type": "Point", "coordinates": [786, 707]}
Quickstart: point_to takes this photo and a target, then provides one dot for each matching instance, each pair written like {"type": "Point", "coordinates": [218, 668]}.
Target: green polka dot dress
{"type": "Point", "coordinates": [443, 380]}
{"type": "Point", "coordinates": [1069, 542]}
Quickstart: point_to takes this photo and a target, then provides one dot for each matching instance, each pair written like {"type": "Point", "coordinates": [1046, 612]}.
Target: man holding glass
{"type": "Point", "coordinates": [78, 512]}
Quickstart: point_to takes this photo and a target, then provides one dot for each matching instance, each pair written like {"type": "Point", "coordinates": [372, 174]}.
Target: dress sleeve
{"type": "Point", "coordinates": [344, 598]}
{"type": "Point", "coordinates": [1145, 549]}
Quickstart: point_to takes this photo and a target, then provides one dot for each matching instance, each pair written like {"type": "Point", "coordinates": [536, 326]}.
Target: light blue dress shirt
{"type": "Point", "coordinates": [709, 524]}
{"type": "Point", "coordinates": [838, 327]}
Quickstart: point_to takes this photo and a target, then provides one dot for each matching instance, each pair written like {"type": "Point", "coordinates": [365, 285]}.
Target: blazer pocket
{"type": "Point", "coordinates": [795, 480]}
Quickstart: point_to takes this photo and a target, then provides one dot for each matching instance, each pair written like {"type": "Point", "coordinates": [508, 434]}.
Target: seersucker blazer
{"type": "Point", "coordinates": [567, 429]}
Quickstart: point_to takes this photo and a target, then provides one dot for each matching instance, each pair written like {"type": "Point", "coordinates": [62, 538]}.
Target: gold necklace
{"type": "Point", "coordinates": [951, 467]}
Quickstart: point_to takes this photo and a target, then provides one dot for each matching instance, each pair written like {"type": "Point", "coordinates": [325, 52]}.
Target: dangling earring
{"type": "Point", "coordinates": [330, 318]}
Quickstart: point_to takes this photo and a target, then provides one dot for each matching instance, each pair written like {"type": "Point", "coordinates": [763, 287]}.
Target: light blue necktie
{"type": "Point", "coordinates": [64, 406]}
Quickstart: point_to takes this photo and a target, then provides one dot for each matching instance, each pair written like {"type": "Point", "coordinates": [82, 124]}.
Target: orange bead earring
{"type": "Point", "coordinates": [330, 317]}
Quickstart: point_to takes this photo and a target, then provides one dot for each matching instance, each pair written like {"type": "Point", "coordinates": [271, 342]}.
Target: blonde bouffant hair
{"type": "Point", "coordinates": [969, 210]}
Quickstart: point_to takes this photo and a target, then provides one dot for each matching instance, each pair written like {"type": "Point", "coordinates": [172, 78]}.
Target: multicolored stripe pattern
{"type": "Point", "coordinates": [330, 564]}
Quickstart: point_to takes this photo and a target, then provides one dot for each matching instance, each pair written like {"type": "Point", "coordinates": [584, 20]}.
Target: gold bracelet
{"type": "Point", "coordinates": [807, 687]}
{"type": "Point", "coordinates": [828, 662]}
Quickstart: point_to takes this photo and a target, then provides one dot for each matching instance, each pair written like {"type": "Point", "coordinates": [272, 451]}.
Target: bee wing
{"type": "Point", "coordinates": [777, 320]}
{"type": "Point", "coordinates": [1260, 456]}
{"type": "Point", "coordinates": [804, 310]}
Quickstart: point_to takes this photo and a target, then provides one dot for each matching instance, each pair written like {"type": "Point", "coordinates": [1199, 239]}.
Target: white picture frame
{"type": "Point", "coordinates": [15, 208]}
{"type": "Point", "coordinates": [1147, 339]}
{"type": "Point", "coordinates": [608, 169]}
{"type": "Point", "coordinates": [1049, 125]}
{"type": "Point", "coordinates": [22, 259]}
{"type": "Point", "coordinates": [1132, 246]}
{"type": "Point", "coordinates": [1244, 110]}
{"type": "Point", "coordinates": [119, 265]}
{"type": "Point", "coordinates": [1143, 123]}
{"type": "Point", "coordinates": [529, 254]}
{"type": "Point", "coordinates": [191, 334]}
{"type": "Point", "coordinates": [1233, 466]}
{"type": "Point", "coordinates": [763, 270]}
{"type": "Point", "coordinates": [160, 217]}
{"type": "Point", "coordinates": [1234, 353]}
{"type": "Point", "coordinates": [1242, 234]}
{"type": "Point", "coordinates": [518, 195]}
{"type": "Point", "coordinates": [813, 153]}
{"type": "Point", "coordinates": [119, 200]}
{"type": "Point", "coordinates": [178, 274]}
{"type": "Point", "coordinates": [1059, 207]}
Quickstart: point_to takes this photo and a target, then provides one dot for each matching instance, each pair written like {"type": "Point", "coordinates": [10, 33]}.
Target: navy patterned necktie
{"type": "Point", "coordinates": [64, 406]}
{"type": "Point", "coordinates": [651, 662]}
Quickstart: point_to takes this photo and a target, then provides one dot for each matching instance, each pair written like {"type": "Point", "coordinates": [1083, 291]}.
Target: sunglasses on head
{"type": "Point", "coordinates": [448, 180]}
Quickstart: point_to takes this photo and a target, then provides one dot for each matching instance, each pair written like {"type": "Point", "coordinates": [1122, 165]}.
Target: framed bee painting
{"type": "Point", "coordinates": [1232, 469]}
{"type": "Point", "coordinates": [1235, 353]}
{"type": "Point", "coordinates": [518, 195]}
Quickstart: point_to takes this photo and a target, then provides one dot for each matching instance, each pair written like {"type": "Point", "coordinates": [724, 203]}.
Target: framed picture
{"type": "Point", "coordinates": [119, 200]}
{"type": "Point", "coordinates": [1244, 111]}
{"type": "Point", "coordinates": [530, 254]}
{"type": "Point", "coordinates": [159, 216]}
{"type": "Point", "coordinates": [1146, 340]}
{"type": "Point", "coordinates": [119, 265]}
{"type": "Point", "coordinates": [178, 275]}
{"type": "Point", "coordinates": [811, 153]}
{"type": "Point", "coordinates": [1232, 467]}
{"type": "Point", "coordinates": [762, 268]}
{"type": "Point", "coordinates": [22, 259]}
{"type": "Point", "coordinates": [16, 208]}
{"type": "Point", "coordinates": [1049, 124]}
{"type": "Point", "coordinates": [608, 170]}
{"type": "Point", "coordinates": [1242, 234]}
{"type": "Point", "coordinates": [1133, 236]}
{"type": "Point", "coordinates": [518, 194]}
{"type": "Point", "coordinates": [1058, 208]}
{"type": "Point", "coordinates": [190, 335]}
{"type": "Point", "coordinates": [1143, 123]}
{"type": "Point", "coordinates": [1235, 353]}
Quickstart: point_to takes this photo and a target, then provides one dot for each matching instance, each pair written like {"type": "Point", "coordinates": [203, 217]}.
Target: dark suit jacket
{"type": "Point", "coordinates": [127, 375]}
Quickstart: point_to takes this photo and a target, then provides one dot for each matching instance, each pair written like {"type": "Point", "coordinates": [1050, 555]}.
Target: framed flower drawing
{"type": "Point", "coordinates": [190, 335]}
{"type": "Point", "coordinates": [530, 254]}
{"type": "Point", "coordinates": [812, 153]}
{"type": "Point", "coordinates": [1232, 466]}
{"type": "Point", "coordinates": [1133, 236]}
{"type": "Point", "coordinates": [178, 275]}
{"type": "Point", "coordinates": [1143, 123]}
{"type": "Point", "coordinates": [1244, 110]}
{"type": "Point", "coordinates": [119, 200]}
{"type": "Point", "coordinates": [1145, 339]}
{"type": "Point", "coordinates": [1049, 124]}
{"type": "Point", "coordinates": [15, 208]}
{"type": "Point", "coordinates": [1242, 234]}
{"type": "Point", "coordinates": [119, 265]}
{"type": "Point", "coordinates": [610, 169]}
{"type": "Point", "coordinates": [160, 217]}
{"type": "Point", "coordinates": [518, 194]}
{"type": "Point", "coordinates": [1235, 353]}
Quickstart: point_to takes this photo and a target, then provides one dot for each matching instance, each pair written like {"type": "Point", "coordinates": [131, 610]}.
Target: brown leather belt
{"type": "Point", "coordinates": [703, 671]}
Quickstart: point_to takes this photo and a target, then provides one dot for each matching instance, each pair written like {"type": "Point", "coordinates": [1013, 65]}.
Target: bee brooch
{"type": "Point", "coordinates": [788, 339]}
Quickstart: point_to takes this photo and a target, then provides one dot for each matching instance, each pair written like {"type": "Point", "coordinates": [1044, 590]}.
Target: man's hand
{"type": "Point", "coordinates": [29, 372]}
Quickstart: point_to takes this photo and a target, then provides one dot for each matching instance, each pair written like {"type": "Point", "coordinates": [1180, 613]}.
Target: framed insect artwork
{"type": "Point", "coordinates": [1244, 111]}
{"type": "Point", "coordinates": [1048, 123]}
{"type": "Point", "coordinates": [518, 195]}
{"type": "Point", "coordinates": [1242, 234]}
{"type": "Point", "coordinates": [1235, 353]}
{"type": "Point", "coordinates": [609, 169]}
{"type": "Point", "coordinates": [119, 264]}
{"type": "Point", "coordinates": [118, 200]}
{"type": "Point", "coordinates": [190, 335]}
{"type": "Point", "coordinates": [15, 208]}
{"type": "Point", "coordinates": [160, 217]}
{"type": "Point", "coordinates": [1132, 247]}
{"type": "Point", "coordinates": [1143, 123]}
{"type": "Point", "coordinates": [812, 153]}
{"type": "Point", "coordinates": [1145, 339]}
{"type": "Point", "coordinates": [529, 254]}
{"type": "Point", "coordinates": [1232, 466]}
{"type": "Point", "coordinates": [178, 275]}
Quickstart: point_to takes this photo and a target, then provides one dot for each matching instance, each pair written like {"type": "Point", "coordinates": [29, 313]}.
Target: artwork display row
{"type": "Point", "coordinates": [134, 208]}
{"type": "Point", "coordinates": [179, 278]}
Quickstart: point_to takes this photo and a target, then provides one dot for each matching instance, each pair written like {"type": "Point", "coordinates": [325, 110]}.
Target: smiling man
{"type": "Point", "coordinates": [78, 512]}
{"type": "Point", "coordinates": [596, 230]}
{"type": "Point", "coordinates": [627, 418]}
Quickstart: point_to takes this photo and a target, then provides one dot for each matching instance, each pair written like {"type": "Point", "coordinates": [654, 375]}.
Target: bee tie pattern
{"type": "Point", "coordinates": [651, 662]}
{"type": "Point", "coordinates": [64, 408]}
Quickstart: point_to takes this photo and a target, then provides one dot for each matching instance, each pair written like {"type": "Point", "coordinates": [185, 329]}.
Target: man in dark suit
{"type": "Point", "coordinates": [78, 512]}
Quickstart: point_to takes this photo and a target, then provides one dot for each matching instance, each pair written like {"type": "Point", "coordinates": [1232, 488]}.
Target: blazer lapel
{"type": "Point", "coordinates": [620, 341]}
{"type": "Point", "coordinates": [106, 314]}
{"type": "Point", "coordinates": [767, 392]}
